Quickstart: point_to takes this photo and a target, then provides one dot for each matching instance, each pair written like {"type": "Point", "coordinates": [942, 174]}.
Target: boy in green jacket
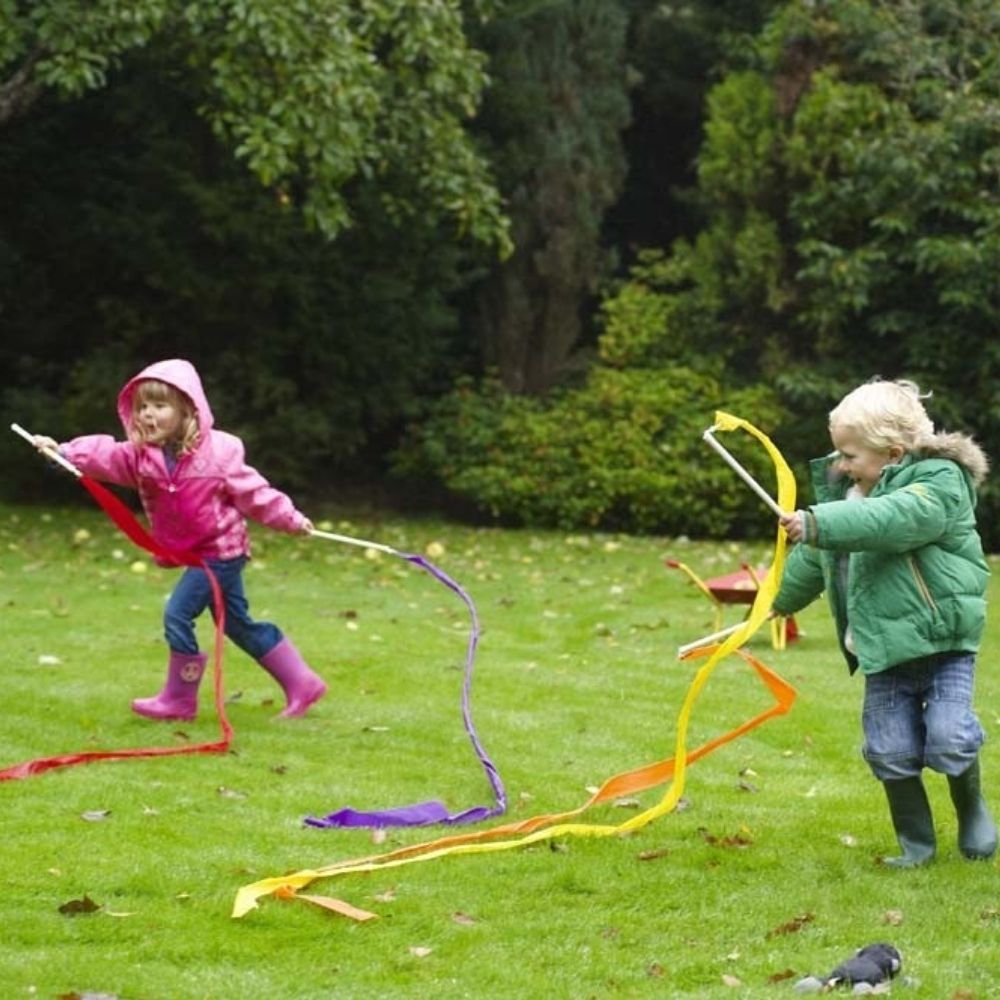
{"type": "Point", "coordinates": [893, 542]}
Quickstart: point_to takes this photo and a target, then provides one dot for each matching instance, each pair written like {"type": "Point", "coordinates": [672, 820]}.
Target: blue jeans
{"type": "Point", "coordinates": [919, 714]}
{"type": "Point", "coordinates": [193, 594]}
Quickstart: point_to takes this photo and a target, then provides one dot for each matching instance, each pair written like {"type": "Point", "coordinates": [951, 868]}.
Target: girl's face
{"type": "Point", "coordinates": [159, 420]}
{"type": "Point", "coordinates": [862, 464]}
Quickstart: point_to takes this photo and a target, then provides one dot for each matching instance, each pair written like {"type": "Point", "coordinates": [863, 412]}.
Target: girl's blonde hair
{"type": "Point", "coordinates": [883, 414]}
{"type": "Point", "coordinates": [153, 391]}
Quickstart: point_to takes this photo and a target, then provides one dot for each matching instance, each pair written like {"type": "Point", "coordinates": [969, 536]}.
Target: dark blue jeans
{"type": "Point", "coordinates": [193, 594]}
{"type": "Point", "coordinates": [919, 714]}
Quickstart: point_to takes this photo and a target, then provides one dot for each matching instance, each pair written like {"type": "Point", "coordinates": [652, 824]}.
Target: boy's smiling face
{"type": "Point", "coordinates": [859, 462]}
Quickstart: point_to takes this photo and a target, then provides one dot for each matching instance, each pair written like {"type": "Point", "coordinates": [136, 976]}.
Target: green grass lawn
{"type": "Point", "coordinates": [767, 874]}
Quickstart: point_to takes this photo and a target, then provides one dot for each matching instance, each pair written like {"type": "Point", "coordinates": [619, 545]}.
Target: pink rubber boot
{"type": "Point", "coordinates": [179, 697]}
{"type": "Point", "coordinates": [302, 687]}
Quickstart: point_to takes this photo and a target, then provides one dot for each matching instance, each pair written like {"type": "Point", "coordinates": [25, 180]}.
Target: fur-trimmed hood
{"type": "Point", "coordinates": [962, 449]}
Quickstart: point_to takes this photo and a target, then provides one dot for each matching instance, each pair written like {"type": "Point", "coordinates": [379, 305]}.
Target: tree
{"type": "Point", "coordinates": [553, 122]}
{"type": "Point", "coordinates": [149, 240]}
{"type": "Point", "coordinates": [849, 181]}
{"type": "Point", "coordinates": [313, 95]}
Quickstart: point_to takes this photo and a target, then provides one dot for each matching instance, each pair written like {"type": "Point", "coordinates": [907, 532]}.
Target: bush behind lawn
{"type": "Point", "coordinates": [766, 874]}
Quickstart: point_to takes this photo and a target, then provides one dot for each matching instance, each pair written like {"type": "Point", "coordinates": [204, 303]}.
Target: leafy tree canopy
{"type": "Point", "coordinates": [313, 95]}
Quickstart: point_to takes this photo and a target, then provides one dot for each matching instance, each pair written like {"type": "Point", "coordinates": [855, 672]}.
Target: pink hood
{"type": "Point", "coordinates": [182, 376]}
{"type": "Point", "coordinates": [200, 503]}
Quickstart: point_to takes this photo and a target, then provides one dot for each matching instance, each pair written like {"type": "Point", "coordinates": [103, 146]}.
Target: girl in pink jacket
{"type": "Point", "coordinates": [197, 492]}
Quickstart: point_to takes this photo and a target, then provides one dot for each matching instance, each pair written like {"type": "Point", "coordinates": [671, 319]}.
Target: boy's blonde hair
{"type": "Point", "coordinates": [154, 391]}
{"type": "Point", "coordinates": [883, 414]}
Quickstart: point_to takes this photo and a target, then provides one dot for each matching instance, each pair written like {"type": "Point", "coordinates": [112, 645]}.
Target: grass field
{"type": "Point", "coordinates": [766, 874]}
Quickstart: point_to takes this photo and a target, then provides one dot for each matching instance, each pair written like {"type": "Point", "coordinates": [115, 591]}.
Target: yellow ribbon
{"type": "Point", "coordinates": [287, 886]}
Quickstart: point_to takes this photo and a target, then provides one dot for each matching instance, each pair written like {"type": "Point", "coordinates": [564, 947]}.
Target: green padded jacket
{"type": "Point", "coordinates": [916, 576]}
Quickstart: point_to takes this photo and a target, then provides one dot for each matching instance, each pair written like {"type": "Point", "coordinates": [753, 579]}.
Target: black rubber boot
{"type": "Point", "coordinates": [912, 820]}
{"type": "Point", "coordinates": [977, 833]}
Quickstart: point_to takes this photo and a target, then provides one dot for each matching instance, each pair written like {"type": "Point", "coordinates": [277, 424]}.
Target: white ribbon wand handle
{"type": "Point", "coordinates": [348, 540]}
{"type": "Point", "coordinates": [47, 452]}
{"type": "Point", "coordinates": [742, 473]}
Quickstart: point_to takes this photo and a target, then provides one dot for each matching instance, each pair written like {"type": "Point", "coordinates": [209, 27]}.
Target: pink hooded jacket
{"type": "Point", "coordinates": [200, 506]}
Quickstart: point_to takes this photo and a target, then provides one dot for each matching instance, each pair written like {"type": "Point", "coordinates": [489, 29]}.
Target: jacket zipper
{"type": "Point", "coordinates": [922, 585]}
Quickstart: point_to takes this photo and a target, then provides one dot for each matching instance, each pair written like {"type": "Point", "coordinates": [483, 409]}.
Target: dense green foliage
{"type": "Point", "coordinates": [623, 451]}
{"type": "Point", "coordinates": [158, 244]}
{"type": "Point", "coordinates": [843, 222]}
{"type": "Point", "coordinates": [849, 179]}
{"type": "Point", "coordinates": [310, 95]}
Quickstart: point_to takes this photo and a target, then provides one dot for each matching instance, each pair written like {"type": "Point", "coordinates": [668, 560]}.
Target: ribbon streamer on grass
{"type": "Point", "coordinates": [550, 826]}
{"type": "Point", "coordinates": [427, 813]}
{"type": "Point", "coordinates": [126, 522]}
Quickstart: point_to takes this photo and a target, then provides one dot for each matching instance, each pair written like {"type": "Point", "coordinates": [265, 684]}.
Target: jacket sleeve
{"type": "Point", "coordinates": [908, 518]}
{"type": "Point", "coordinates": [802, 581]}
{"type": "Point", "coordinates": [255, 498]}
{"type": "Point", "coordinates": [101, 457]}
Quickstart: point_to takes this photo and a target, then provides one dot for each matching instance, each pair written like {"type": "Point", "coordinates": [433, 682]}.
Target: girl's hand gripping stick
{"type": "Point", "coordinates": [47, 452]}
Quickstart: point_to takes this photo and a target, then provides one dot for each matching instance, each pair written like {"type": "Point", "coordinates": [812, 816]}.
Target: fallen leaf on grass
{"type": "Point", "coordinates": [95, 815]}
{"type": "Point", "coordinates": [661, 852]}
{"type": "Point", "coordinates": [463, 918]}
{"type": "Point", "coordinates": [741, 839]}
{"type": "Point", "coordinates": [75, 906]}
{"type": "Point", "coordinates": [388, 896]}
{"type": "Point", "coordinates": [230, 793]}
{"type": "Point", "coordinates": [88, 996]}
{"type": "Point", "coordinates": [732, 981]}
{"type": "Point", "coordinates": [793, 926]}
{"type": "Point", "coordinates": [419, 951]}
{"type": "Point", "coordinates": [780, 977]}
{"type": "Point", "coordinates": [655, 970]}
{"type": "Point", "coordinates": [628, 803]}
{"type": "Point", "coordinates": [892, 917]}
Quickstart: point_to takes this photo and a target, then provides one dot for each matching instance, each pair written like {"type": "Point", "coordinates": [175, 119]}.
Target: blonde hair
{"type": "Point", "coordinates": [883, 414]}
{"type": "Point", "coordinates": [153, 391]}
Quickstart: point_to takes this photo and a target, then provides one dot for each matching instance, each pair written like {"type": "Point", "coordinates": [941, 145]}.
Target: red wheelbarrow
{"type": "Point", "coordinates": [738, 588]}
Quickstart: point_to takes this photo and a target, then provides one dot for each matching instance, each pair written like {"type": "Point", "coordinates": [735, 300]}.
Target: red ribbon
{"type": "Point", "coordinates": [125, 520]}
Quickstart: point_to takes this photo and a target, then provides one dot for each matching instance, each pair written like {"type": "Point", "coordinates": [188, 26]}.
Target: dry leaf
{"type": "Point", "coordinates": [661, 852]}
{"type": "Point", "coordinates": [385, 897]}
{"type": "Point", "coordinates": [627, 803]}
{"type": "Point", "coordinates": [792, 926]}
{"type": "Point", "coordinates": [892, 917]}
{"type": "Point", "coordinates": [95, 815]}
{"type": "Point", "coordinates": [733, 981]}
{"type": "Point", "coordinates": [655, 970]}
{"type": "Point", "coordinates": [463, 918]}
{"type": "Point", "coordinates": [87, 996]}
{"type": "Point", "coordinates": [779, 977]}
{"type": "Point", "coordinates": [75, 906]}
{"type": "Point", "coordinates": [230, 793]}
{"type": "Point", "coordinates": [420, 952]}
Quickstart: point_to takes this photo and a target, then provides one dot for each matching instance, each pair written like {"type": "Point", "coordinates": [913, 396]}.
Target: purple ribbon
{"type": "Point", "coordinates": [428, 813]}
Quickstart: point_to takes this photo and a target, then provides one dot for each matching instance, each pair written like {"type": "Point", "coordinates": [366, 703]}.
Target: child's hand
{"type": "Point", "coordinates": [43, 443]}
{"type": "Point", "coordinates": [792, 523]}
